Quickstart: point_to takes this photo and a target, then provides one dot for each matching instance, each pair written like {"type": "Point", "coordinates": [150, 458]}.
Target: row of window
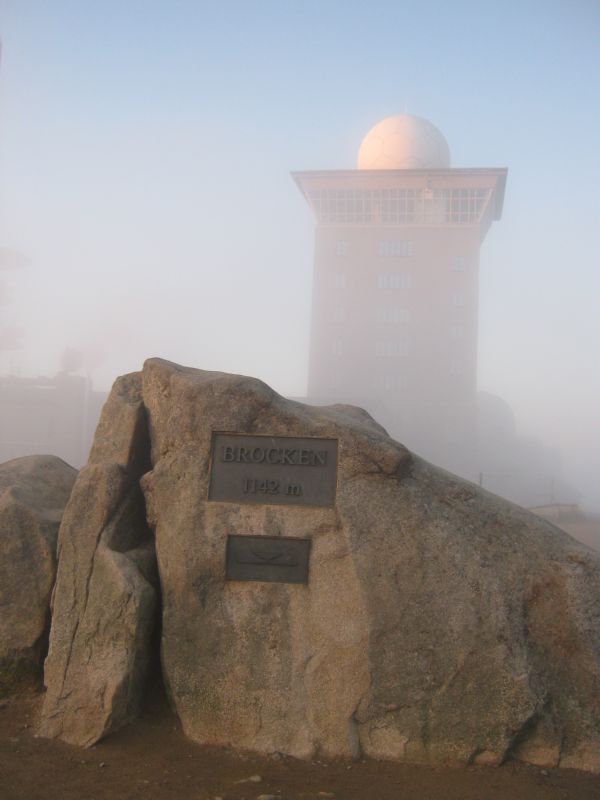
{"type": "Point", "coordinates": [393, 349]}
{"type": "Point", "coordinates": [395, 248]}
{"type": "Point", "coordinates": [389, 248]}
{"type": "Point", "coordinates": [389, 315]}
{"type": "Point", "coordinates": [399, 248]}
{"type": "Point", "coordinates": [395, 382]}
{"type": "Point", "coordinates": [399, 206]}
{"type": "Point", "coordinates": [397, 280]}
{"type": "Point", "coordinates": [392, 382]}
{"type": "Point", "coordinates": [394, 315]}
{"type": "Point", "coordinates": [394, 280]}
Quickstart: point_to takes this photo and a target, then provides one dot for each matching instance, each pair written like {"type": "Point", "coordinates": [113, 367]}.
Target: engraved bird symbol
{"type": "Point", "coordinates": [269, 555]}
{"type": "Point", "coordinates": [262, 554]}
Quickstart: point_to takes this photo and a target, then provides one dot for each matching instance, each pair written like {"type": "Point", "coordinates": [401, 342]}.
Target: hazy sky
{"type": "Point", "coordinates": [136, 137]}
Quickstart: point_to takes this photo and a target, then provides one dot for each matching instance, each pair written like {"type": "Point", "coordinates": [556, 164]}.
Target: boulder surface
{"type": "Point", "coordinates": [105, 597]}
{"type": "Point", "coordinates": [437, 623]}
{"type": "Point", "coordinates": [33, 493]}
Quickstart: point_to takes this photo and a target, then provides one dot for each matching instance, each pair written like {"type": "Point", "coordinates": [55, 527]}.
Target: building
{"type": "Point", "coordinates": [55, 416]}
{"type": "Point", "coordinates": [395, 289]}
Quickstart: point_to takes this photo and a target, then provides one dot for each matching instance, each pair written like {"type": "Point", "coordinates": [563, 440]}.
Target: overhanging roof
{"type": "Point", "coordinates": [491, 178]}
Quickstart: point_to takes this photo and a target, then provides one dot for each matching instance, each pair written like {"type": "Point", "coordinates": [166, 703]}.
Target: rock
{"type": "Point", "coordinates": [439, 623]}
{"type": "Point", "coordinates": [33, 493]}
{"type": "Point", "coordinates": [105, 597]}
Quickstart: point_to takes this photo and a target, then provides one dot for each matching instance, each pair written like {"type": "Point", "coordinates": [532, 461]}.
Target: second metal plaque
{"type": "Point", "coordinates": [274, 470]}
{"type": "Point", "coordinates": [273, 559]}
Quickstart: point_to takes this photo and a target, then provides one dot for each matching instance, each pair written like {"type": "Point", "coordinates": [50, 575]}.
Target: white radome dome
{"type": "Point", "coordinates": [404, 142]}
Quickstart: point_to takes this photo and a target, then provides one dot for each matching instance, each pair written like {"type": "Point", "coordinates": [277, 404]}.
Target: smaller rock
{"type": "Point", "coordinates": [106, 586]}
{"type": "Point", "coordinates": [326, 794]}
{"type": "Point", "coordinates": [268, 797]}
{"type": "Point", "coordinates": [33, 493]}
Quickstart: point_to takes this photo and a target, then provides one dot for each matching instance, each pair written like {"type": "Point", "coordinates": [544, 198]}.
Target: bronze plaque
{"type": "Point", "coordinates": [267, 558]}
{"type": "Point", "coordinates": [275, 470]}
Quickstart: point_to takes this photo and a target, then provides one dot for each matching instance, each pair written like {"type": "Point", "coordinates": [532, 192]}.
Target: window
{"type": "Point", "coordinates": [338, 314]}
{"type": "Point", "coordinates": [458, 263]}
{"type": "Point", "coordinates": [339, 280]}
{"type": "Point", "coordinates": [336, 347]}
{"type": "Point", "coordinates": [393, 315]}
{"type": "Point", "coordinates": [395, 248]}
{"type": "Point", "coordinates": [456, 366]}
{"type": "Point", "coordinates": [458, 298]}
{"type": "Point", "coordinates": [456, 332]}
{"type": "Point", "coordinates": [393, 280]}
{"type": "Point", "coordinates": [341, 247]}
{"type": "Point", "coordinates": [392, 382]}
{"type": "Point", "coordinates": [389, 349]}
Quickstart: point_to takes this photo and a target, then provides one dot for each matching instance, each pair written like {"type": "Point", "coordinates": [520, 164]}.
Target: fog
{"type": "Point", "coordinates": [147, 208]}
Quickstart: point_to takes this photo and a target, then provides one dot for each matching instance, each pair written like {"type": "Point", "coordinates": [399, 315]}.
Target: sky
{"type": "Point", "coordinates": [136, 136]}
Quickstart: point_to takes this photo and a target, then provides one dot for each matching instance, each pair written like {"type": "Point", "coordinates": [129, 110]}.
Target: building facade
{"type": "Point", "coordinates": [395, 288]}
{"type": "Point", "coordinates": [54, 416]}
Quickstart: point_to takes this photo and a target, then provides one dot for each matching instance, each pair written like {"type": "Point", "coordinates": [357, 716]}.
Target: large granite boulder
{"type": "Point", "coordinates": [105, 597]}
{"type": "Point", "coordinates": [326, 592]}
{"type": "Point", "coordinates": [438, 623]}
{"type": "Point", "coordinates": [33, 493]}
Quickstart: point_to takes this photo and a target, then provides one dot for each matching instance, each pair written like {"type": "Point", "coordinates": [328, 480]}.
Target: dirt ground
{"type": "Point", "coordinates": [152, 760]}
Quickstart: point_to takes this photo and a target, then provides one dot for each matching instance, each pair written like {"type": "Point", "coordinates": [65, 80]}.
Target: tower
{"type": "Point", "coordinates": [395, 287]}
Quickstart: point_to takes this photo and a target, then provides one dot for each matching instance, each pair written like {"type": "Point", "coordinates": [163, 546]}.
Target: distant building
{"type": "Point", "coordinates": [520, 468]}
{"type": "Point", "coordinates": [395, 291]}
{"type": "Point", "coordinates": [48, 415]}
